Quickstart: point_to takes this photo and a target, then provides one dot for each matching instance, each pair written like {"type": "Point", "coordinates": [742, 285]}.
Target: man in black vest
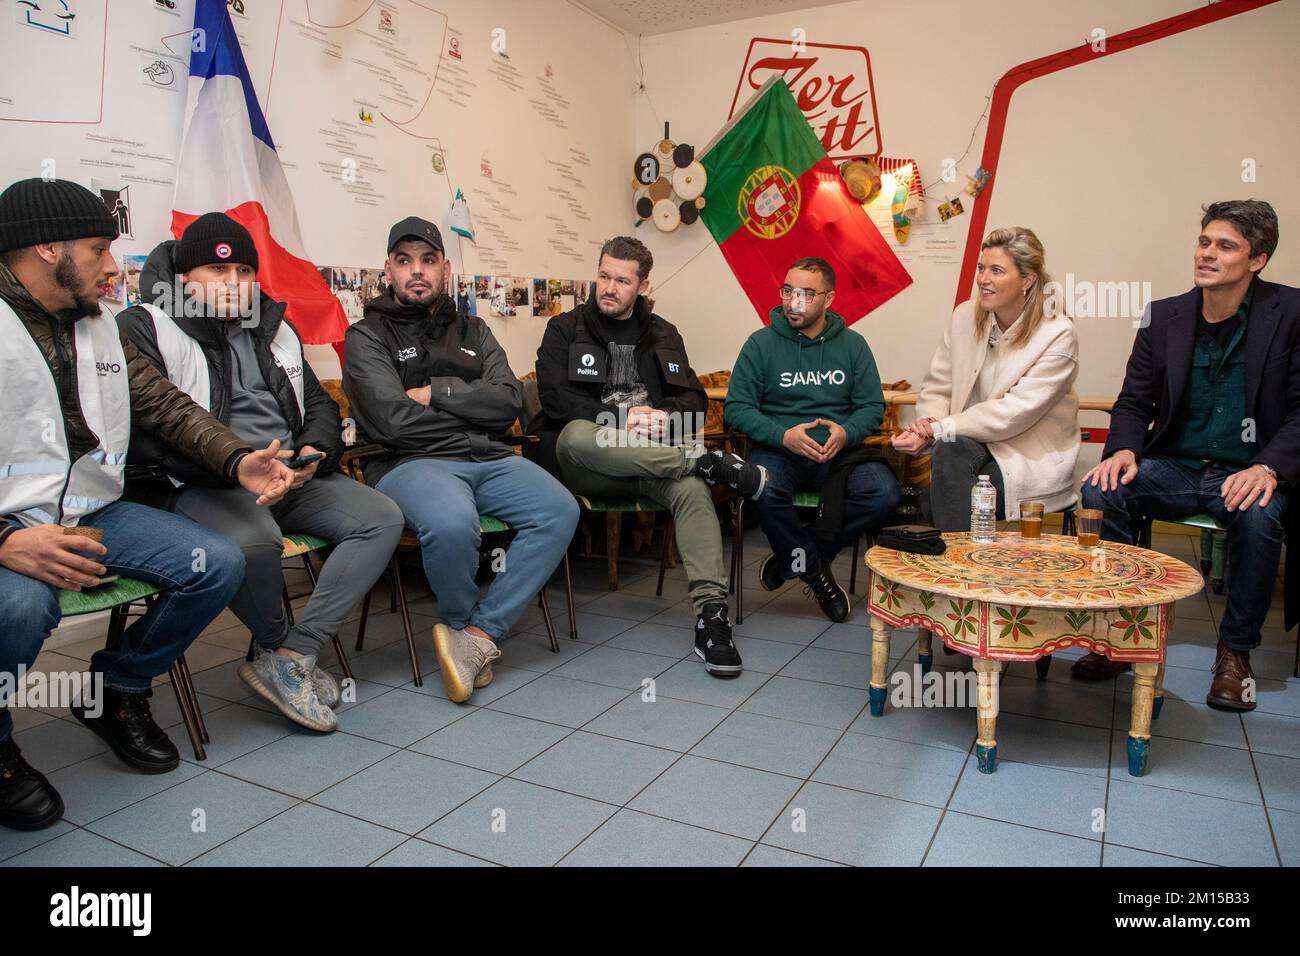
{"type": "Point", "coordinates": [433, 388]}
{"type": "Point", "coordinates": [211, 330]}
{"type": "Point", "coordinates": [622, 414]}
{"type": "Point", "coordinates": [1209, 420]}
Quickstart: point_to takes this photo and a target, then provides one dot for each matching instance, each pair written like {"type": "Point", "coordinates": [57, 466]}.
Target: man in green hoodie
{"type": "Point", "coordinates": [806, 391]}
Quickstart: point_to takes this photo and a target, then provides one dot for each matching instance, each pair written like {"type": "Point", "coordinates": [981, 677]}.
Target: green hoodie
{"type": "Point", "coordinates": [783, 378]}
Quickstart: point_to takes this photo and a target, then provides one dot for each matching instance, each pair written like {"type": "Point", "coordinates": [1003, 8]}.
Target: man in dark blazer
{"type": "Point", "coordinates": [1208, 420]}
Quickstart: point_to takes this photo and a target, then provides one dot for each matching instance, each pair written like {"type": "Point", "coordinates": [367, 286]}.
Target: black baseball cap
{"type": "Point", "coordinates": [413, 227]}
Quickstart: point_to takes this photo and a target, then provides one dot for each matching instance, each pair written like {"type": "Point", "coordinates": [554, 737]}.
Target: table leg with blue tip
{"type": "Point", "coordinates": [925, 649]}
{"type": "Point", "coordinates": [879, 666]}
{"type": "Point", "coordinates": [1145, 674]}
{"type": "Point", "coordinates": [988, 675]}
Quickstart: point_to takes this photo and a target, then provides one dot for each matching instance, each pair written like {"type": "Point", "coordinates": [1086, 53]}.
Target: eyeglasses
{"type": "Point", "coordinates": [788, 292]}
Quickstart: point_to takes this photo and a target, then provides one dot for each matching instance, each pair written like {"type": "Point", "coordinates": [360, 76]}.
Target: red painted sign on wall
{"type": "Point", "coordinates": [832, 85]}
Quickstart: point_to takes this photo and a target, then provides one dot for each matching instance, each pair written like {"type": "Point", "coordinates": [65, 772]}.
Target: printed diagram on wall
{"type": "Point", "coordinates": [668, 184]}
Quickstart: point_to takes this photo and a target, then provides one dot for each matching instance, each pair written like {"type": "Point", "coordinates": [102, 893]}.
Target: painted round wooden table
{"type": "Point", "coordinates": [1021, 599]}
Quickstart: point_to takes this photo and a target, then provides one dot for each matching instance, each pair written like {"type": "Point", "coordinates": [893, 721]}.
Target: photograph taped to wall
{"type": "Point", "coordinates": [131, 268]}
{"type": "Point", "coordinates": [502, 301]}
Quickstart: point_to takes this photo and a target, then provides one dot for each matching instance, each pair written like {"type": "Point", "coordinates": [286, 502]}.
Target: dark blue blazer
{"type": "Point", "coordinates": [1161, 363]}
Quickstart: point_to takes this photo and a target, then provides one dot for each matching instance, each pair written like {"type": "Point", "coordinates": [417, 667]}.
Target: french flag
{"type": "Point", "coordinates": [228, 162]}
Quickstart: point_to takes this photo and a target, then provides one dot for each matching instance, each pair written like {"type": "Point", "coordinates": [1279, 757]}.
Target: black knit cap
{"type": "Point", "coordinates": [38, 210]}
{"type": "Point", "coordinates": [214, 238]}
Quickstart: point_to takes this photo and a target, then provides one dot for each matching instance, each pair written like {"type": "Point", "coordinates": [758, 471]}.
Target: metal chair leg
{"type": "Point", "coordinates": [738, 553]}
{"type": "Point", "coordinates": [193, 693]}
{"type": "Point", "coordinates": [853, 568]}
{"type": "Point", "coordinates": [183, 703]}
{"type": "Point", "coordinates": [546, 615]}
{"type": "Point", "coordinates": [361, 626]}
{"type": "Point", "coordinates": [399, 590]}
{"type": "Point", "coordinates": [568, 593]}
{"type": "Point", "coordinates": [670, 535]}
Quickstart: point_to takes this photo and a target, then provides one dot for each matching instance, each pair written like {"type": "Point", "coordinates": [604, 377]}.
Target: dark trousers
{"type": "Point", "coordinates": [872, 495]}
{"type": "Point", "coordinates": [955, 467]}
{"type": "Point", "coordinates": [1164, 488]}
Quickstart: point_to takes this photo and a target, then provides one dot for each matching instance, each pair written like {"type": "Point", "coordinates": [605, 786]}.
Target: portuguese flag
{"type": "Point", "coordinates": [774, 196]}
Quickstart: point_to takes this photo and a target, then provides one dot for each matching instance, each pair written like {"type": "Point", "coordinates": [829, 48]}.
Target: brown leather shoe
{"type": "Point", "coordinates": [1098, 667]}
{"type": "Point", "coordinates": [1231, 671]}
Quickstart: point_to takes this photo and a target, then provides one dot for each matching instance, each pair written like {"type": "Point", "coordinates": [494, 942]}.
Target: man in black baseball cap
{"type": "Point", "coordinates": [413, 227]}
{"type": "Point", "coordinates": [71, 393]}
{"type": "Point", "coordinates": [434, 388]}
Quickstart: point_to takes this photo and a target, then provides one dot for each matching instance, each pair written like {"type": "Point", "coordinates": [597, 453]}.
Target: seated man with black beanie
{"type": "Point", "coordinates": [207, 326]}
{"type": "Point", "coordinates": [434, 389]}
{"type": "Point", "coordinates": [806, 391]}
{"type": "Point", "coordinates": [74, 394]}
{"type": "Point", "coordinates": [622, 413]}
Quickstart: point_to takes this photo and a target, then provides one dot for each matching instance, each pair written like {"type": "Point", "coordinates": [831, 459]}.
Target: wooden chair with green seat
{"type": "Point", "coordinates": [117, 598]}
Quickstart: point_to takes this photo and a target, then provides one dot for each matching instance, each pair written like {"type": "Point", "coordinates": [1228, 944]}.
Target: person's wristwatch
{"type": "Point", "coordinates": [1271, 473]}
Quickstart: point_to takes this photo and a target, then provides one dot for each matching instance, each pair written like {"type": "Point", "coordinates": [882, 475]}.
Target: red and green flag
{"type": "Point", "coordinates": [774, 196]}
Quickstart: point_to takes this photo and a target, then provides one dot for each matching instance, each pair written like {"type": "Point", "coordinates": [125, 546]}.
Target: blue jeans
{"type": "Point", "coordinates": [199, 569]}
{"type": "Point", "coordinates": [1165, 488]}
{"type": "Point", "coordinates": [442, 500]}
{"type": "Point", "coordinates": [871, 496]}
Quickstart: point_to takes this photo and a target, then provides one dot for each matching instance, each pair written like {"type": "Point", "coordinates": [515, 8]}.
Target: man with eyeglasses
{"type": "Point", "coordinates": [806, 391]}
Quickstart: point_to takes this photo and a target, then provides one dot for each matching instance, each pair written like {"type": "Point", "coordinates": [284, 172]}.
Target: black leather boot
{"type": "Point", "coordinates": [27, 801]}
{"type": "Point", "coordinates": [127, 725]}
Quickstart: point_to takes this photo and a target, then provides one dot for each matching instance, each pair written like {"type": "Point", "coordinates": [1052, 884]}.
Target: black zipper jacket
{"type": "Point", "coordinates": [475, 396]}
{"type": "Point", "coordinates": [150, 462]}
{"type": "Point", "coordinates": [661, 361]}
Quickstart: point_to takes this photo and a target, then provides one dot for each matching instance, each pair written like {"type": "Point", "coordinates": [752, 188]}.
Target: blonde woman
{"type": "Point", "coordinates": [999, 397]}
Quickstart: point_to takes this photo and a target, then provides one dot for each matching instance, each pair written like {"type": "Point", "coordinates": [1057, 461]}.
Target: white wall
{"type": "Point", "coordinates": [1109, 163]}
{"type": "Point", "coordinates": [314, 65]}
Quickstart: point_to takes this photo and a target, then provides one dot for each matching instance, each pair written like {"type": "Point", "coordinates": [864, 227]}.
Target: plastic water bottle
{"type": "Point", "coordinates": [983, 511]}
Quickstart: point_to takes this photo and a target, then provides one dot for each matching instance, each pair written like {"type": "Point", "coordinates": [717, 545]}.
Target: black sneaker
{"type": "Point", "coordinates": [724, 468]}
{"type": "Point", "coordinates": [831, 598]}
{"type": "Point", "coordinates": [769, 574]}
{"type": "Point", "coordinates": [127, 725]}
{"type": "Point", "coordinates": [27, 801]}
{"type": "Point", "coordinates": [713, 642]}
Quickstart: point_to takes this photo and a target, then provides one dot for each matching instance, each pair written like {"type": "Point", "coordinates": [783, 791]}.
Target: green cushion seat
{"type": "Point", "coordinates": [121, 591]}
{"type": "Point", "coordinates": [296, 544]}
{"type": "Point", "coordinates": [1203, 521]}
{"type": "Point", "coordinates": [490, 525]}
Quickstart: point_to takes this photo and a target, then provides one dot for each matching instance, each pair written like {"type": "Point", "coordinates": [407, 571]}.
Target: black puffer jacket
{"type": "Point", "coordinates": [150, 462]}
{"type": "Point", "coordinates": [474, 396]}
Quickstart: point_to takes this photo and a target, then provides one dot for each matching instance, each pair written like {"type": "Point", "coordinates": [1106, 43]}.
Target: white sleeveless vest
{"type": "Point", "coordinates": [187, 366]}
{"type": "Point", "coordinates": [39, 484]}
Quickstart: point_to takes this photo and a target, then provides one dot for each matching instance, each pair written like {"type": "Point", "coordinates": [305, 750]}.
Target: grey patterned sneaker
{"type": "Point", "coordinates": [326, 687]}
{"type": "Point", "coordinates": [286, 683]}
{"type": "Point", "coordinates": [484, 676]}
{"type": "Point", "coordinates": [461, 658]}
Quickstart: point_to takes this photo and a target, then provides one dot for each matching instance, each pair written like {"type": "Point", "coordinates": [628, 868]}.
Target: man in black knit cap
{"type": "Point", "coordinates": [205, 324]}
{"type": "Point", "coordinates": [73, 395]}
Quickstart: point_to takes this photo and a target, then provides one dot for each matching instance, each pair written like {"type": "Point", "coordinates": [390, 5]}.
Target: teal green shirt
{"type": "Point", "coordinates": [1213, 406]}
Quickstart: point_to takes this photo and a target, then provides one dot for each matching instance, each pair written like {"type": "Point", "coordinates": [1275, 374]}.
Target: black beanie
{"type": "Point", "coordinates": [39, 210]}
{"type": "Point", "coordinates": [214, 238]}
